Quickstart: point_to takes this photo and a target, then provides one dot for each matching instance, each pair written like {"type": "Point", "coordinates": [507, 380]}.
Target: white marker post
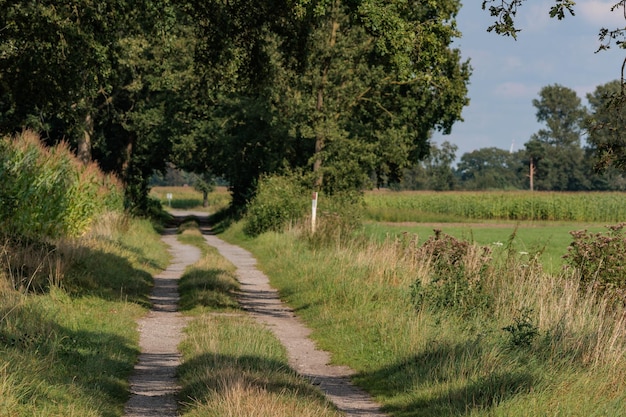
{"type": "Point", "coordinates": [313, 211]}
{"type": "Point", "coordinates": [169, 199]}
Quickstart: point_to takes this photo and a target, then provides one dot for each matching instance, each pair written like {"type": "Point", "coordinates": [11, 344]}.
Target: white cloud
{"type": "Point", "coordinates": [515, 90]}
{"type": "Point", "coordinates": [599, 13]}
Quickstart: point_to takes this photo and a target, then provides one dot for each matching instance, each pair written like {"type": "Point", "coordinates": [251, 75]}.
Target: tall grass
{"type": "Point", "coordinates": [46, 192]}
{"type": "Point", "coordinates": [503, 205]}
{"type": "Point", "coordinates": [544, 346]}
{"type": "Point", "coordinates": [68, 338]}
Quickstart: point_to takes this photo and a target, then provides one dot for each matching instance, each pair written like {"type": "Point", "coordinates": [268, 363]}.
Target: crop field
{"type": "Point", "coordinates": [492, 205]}
{"type": "Point", "coordinates": [496, 219]}
{"type": "Point", "coordinates": [187, 198]}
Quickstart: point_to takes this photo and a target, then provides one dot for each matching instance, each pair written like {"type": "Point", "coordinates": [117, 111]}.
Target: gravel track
{"type": "Point", "coordinates": [154, 385]}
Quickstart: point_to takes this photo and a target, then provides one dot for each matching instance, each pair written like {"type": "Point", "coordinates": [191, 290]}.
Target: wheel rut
{"type": "Point", "coordinates": [153, 383]}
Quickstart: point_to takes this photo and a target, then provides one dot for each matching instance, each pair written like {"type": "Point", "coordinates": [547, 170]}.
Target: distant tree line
{"type": "Point", "coordinates": [554, 158]}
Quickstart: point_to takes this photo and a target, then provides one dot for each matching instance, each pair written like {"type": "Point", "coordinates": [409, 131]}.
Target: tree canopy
{"type": "Point", "coordinates": [344, 89]}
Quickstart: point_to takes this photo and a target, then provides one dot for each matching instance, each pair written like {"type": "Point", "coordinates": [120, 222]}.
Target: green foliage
{"type": "Point", "coordinates": [492, 168]}
{"type": "Point", "coordinates": [599, 259]}
{"type": "Point", "coordinates": [455, 281]}
{"type": "Point", "coordinates": [556, 152]}
{"type": "Point", "coordinates": [605, 125]}
{"type": "Point", "coordinates": [280, 201]}
{"type": "Point", "coordinates": [345, 88]}
{"type": "Point", "coordinates": [523, 331]}
{"type": "Point", "coordinates": [47, 192]}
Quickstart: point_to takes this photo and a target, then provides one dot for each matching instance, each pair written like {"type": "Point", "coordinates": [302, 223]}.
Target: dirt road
{"type": "Point", "coordinates": [153, 386]}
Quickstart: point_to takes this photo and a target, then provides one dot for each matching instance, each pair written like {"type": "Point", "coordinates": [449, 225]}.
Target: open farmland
{"type": "Point", "coordinates": [539, 223]}
{"type": "Point", "coordinates": [495, 205]}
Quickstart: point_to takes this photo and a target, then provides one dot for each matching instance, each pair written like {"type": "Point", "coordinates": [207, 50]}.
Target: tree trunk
{"type": "Point", "coordinates": [205, 198]}
{"type": "Point", "coordinates": [319, 107]}
{"type": "Point", "coordinates": [83, 151]}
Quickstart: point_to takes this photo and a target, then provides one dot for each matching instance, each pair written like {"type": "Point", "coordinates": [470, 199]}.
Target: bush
{"type": "Point", "coordinates": [279, 202]}
{"type": "Point", "coordinates": [599, 259]}
{"type": "Point", "coordinates": [457, 270]}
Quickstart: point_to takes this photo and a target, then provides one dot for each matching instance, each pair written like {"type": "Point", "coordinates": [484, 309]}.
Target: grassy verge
{"type": "Point", "coordinates": [541, 347]}
{"type": "Point", "coordinates": [68, 347]}
{"type": "Point", "coordinates": [233, 366]}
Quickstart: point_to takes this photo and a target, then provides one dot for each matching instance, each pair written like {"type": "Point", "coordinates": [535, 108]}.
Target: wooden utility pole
{"type": "Point", "coordinates": [531, 173]}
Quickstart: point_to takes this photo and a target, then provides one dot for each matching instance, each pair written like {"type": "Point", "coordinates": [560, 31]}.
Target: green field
{"type": "Point", "coordinates": [548, 240]}
{"type": "Point", "coordinates": [539, 222]}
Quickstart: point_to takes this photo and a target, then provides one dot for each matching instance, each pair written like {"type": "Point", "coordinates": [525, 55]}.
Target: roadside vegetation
{"type": "Point", "coordinates": [75, 273]}
{"type": "Point", "coordinates": [434, 324]}
{"type": "Point", "coordinates": [440, 326]}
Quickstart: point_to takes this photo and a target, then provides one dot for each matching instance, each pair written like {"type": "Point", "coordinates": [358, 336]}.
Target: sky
{"type": "Point", "coordinates": [508, 74]}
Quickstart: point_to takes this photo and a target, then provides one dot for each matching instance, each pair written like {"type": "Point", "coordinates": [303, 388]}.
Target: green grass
{"type": "Point", "coordinates": [434, 363]}
{"type": "Point", "coordinates": [69, 350]}
{"type": "Point", "coordinates": [233, 366]}
{"type": "Point", "coordinates": [549, 240]}
{"type": "Point", "coordinates": [209, 284]}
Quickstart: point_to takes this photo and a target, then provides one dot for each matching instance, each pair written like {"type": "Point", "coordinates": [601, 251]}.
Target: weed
{"type": "Point", "coordinates": [523, 331]}
{"type": "Point", "coordinates": [457, 269]}
{"type": "Point", "coordinates": [599, 259]}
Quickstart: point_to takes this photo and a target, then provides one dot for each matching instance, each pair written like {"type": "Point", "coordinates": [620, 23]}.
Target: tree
{"type": "Point", "coordinates": [342, 88]}
{"type": "Point", "coordinates": [435, 172]}
{"type": "Point", "coordinates": [606, 125]}
{"type": "Point", "coordinates": [556, 150]}
{"type": "Point", "coordinates": [491, 168]}
{"type": "Point", "coordinates": [102, 75]}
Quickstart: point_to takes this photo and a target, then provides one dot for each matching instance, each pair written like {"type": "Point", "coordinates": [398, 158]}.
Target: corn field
{"type": "Point", "coordinates": [47, 192]}
{"type": "Point", "coordinates": [500, 205]}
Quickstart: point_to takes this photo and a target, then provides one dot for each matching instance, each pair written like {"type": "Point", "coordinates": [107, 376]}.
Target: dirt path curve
{"type": "Point", "coordinates": [263, 303]}
{"type": "Point", "coordinates": [153, 385]}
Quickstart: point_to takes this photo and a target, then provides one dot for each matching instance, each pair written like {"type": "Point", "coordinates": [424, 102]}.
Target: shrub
{"type": "Point", "coordinates": [523, 331]}
{"type": "Point", "coordinates": [280, 200]}
{"type": "Point", "coordinates": [457, 269]}
{"type": "Point", "coordinates": [599, 259]}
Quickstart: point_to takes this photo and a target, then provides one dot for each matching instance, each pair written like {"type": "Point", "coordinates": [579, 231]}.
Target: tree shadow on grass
{"type": "Point", "coordinates": [58, 366]}
{"type": "Point", "coordinates": [213, 375]}
{"type": "Point", "coordinates": [212, 288]}
{"type": "Point", "coordinates": [437, 389]}
{"type": "Point", "coordinates": [110, 277]}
